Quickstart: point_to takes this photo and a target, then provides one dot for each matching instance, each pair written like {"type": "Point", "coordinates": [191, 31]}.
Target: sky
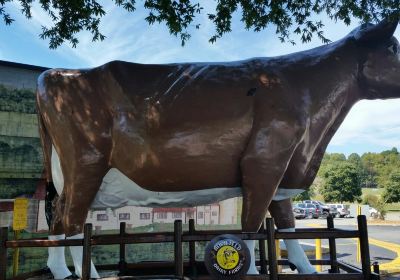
{"type": "Point", "coordinates": [371, 126]}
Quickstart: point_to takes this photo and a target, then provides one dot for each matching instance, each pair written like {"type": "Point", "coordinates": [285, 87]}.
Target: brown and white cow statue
{"type": "Point", "coordinates": [195, 133]}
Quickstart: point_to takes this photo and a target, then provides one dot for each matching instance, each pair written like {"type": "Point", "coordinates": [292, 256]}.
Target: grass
{"type": "Point", "coordinates": [393, 207]}
{"type": "Point", "coordinates": [376, 191]}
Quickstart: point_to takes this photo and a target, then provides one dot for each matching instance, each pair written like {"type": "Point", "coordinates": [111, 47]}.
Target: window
{"type": "Point", "coordinates": [214, 213]}
{"type": "Point", "coordinates": [161, 215]}
{"type": "Point", "coordinates": [200, 215]}
{"type": "Point", "coordinates": [144, 216]}
{"type": "Point", "coordinates": [124, 216]}
{"type": "Point", "coordinates": [176, 215]}
{"type": "Point", "coordinates": [102, 217]}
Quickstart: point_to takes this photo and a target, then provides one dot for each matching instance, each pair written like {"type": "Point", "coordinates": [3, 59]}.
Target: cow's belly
{"type": "Point", "coordinates": [117, 190]}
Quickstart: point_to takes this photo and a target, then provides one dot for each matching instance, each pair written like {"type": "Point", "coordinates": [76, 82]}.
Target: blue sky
{"type": "Point", "coordinates": [370, 126]}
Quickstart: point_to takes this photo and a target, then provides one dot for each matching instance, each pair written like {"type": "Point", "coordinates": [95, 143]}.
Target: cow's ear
{"type": "Point", "coordinates": [370, 33]}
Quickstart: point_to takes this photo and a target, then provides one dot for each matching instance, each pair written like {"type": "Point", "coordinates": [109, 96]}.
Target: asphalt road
{"type": "Point", "coordinates": [384, 241]}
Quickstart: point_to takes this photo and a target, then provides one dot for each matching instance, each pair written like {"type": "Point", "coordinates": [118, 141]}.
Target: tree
{"type": "Point", "coordinates": [391, 193]}
{"type": "Point", "coordinates": [299, 17]}
{"type": "Point", "coordinates": [341, 183]}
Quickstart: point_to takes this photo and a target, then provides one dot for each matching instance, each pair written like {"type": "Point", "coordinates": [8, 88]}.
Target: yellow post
{"type": "Point", "coordinates": [358, 256]}
{"type": "Point", "coordinates": [20, 222]}
{"type": "Point", "coordinates": [278, 253]}
{"type": "Point", "coordinates": [16, 254]}
{"type": "Point", "coordinates": [318, 253]}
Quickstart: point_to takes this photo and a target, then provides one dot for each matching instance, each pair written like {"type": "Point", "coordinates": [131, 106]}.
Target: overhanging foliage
{"type": "Point", "coordinates": [71, 17]}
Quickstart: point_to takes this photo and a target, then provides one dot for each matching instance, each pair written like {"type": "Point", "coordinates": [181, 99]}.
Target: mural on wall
{"type": "Point", "coordinates": [20, 151]}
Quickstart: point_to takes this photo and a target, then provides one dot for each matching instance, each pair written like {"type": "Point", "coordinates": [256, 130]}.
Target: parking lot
{"type": "Point", "coordinates": [384, 242]}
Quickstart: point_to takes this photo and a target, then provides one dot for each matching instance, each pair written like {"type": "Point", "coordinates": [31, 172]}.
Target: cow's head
{"type": "Point", "coordinates": [379, 50]}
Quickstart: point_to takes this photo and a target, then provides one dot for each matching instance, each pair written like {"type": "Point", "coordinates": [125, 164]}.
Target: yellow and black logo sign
{"type": "Point", "coordinates": [227, 256]}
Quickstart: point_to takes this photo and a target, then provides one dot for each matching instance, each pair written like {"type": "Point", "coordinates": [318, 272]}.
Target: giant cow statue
{"type": "Point", "coordinates": [194, 133]}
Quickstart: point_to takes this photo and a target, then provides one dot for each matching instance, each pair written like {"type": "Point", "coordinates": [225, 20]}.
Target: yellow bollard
{"type": "Point", "coordinates": [318, 253]}
{"type": "Point", "coordinates": [358, 255]}
{"type": "Point", "coordinates": [278, 253]}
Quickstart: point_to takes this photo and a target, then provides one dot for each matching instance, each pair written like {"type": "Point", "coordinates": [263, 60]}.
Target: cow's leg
{"type": "Point", "coordinates": [56, 258]}
{"type": "Point", "coordinates": [282, 213]}
{"type": "Point", "coordinates": [263, 165]}
{"type": "Point", "coordinates": [81, 188]}
{"type": "Point", "coordinates": [83, 171]}
{"type": "Point", "coordinates": [251, 244]}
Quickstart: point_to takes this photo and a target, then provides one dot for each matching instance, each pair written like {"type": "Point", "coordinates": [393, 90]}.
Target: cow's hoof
{"type": "Point", "coordinates": [292, 266]}
{"type": "Point", "coordinates": [227, 257]}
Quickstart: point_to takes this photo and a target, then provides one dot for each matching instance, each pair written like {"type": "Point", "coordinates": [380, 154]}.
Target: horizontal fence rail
{"type": "Point", "coordinates": [176, 270]}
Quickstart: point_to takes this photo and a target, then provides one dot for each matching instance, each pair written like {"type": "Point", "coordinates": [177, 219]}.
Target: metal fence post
{"type": "Point", "coordinates": [263, 255]}
{"type": "Point", "coordinates": [272, 262]}
{"type": "Point", "coordinates": [192, 249]}
{"type": "Point", "coordinates": [87, 252]}
{"type": "Point", "coordinates": [364, 248]}
{"type": "Point", "coordinates": [332, 247]}
{"type": "Point", "coordinates": [3, 253]}
{"type": "Point", "coordinates": [122, 266]}
{"type": "Point", "coordinates": [178, 248]}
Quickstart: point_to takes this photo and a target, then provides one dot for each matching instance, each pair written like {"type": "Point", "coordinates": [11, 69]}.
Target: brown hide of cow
{"type": "Point", "coordinates": [261, 123]}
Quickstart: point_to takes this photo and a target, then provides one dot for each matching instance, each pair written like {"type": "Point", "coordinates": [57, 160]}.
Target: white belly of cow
{"type": "Point", "coordinates": [117, 190]}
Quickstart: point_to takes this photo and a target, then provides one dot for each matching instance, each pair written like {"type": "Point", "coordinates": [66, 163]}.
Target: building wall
{"type": "Point", "coordinates": [18, 77]}
{"type": "Point", "coordinates": [20, 150]}
{"type": "Point", "coordinates": [207, 215]}
{"type": "Point", "coordinates": [228, 214]}
{"type": "Point", "coordinates": [108, 219]}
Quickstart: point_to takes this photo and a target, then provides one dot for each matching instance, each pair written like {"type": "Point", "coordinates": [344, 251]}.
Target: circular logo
{"type": "Point", "coordinates": [227, 256]}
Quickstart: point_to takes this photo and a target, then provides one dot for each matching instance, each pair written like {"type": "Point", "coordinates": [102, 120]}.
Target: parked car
{"type": "Point", "coordinates": [309, 211]}
{"type": "Point", "coordinates": [299, 213]}
{"type": "Point", "coordinates": [373, 212]}
{"type": "Point", "coordinates": [343, 210]}
{"type": "Point", "coordinates": [325, 209]}
{"type": "Point", "coordinates": [333, 211]}
{"type": "Point", "coordinates": [314, 211]}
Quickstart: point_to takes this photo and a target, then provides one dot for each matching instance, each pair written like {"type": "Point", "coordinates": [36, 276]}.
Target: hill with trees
{"type": "Point", "coordinates": [342, 179]}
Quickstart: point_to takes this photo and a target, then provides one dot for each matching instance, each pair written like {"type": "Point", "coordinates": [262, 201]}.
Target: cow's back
{"type": "Point", "coordinates": [165, 126]}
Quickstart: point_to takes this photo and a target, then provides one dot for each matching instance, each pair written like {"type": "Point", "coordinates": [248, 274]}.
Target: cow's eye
{"type": "Point", "coordinates": [393, 48]}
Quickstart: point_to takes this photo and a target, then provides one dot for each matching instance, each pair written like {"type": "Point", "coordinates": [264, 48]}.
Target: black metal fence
{"type": "Point", "coordinates": [180, 269]}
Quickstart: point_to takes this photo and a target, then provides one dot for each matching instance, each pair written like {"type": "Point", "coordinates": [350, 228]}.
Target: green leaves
{"type": "Point", "coordinates": [177, 15]}
{"type": "Point", "coordinates": [69, 18]}
{"type": "Point", "coordinates": [392, 188]}
{"type": "Point", "coordinates": [288, 17]}
{"type": "Point", "coordinates": [341, 183]}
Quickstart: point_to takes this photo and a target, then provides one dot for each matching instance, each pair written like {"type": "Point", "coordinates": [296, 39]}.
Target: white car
{"type": "Point", "coordinates": [373, 212]}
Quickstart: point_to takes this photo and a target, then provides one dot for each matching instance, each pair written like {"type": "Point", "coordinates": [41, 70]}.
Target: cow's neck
{"type": "Point", "coordinates": [329, 87]}
{"type": "Point", "coordinates": [330, 81]}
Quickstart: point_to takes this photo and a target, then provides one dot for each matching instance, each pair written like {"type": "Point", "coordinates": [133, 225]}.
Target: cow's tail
{"type": "Point", "coordinates": [45, 139]}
